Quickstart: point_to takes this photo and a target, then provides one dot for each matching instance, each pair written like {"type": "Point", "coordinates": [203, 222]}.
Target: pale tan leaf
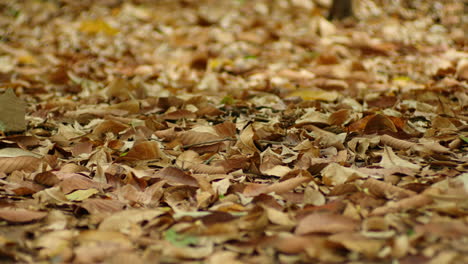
{"type": "Point", "coordinates": [335, 174]}
{"type": "Point", "coordinates": [80, 195]}
{"type": "Point", "coordinates": [356, 242]}
{"type": "Point", "coordinates": [123, 221]}
{"type": "Point", "coordinates": [56, 244]}
{"type": "Point", "coordinates": [386, 190]}
{"type": "Point", "coordinates": [391, 160]}
{"type": "Point", "coordinates": [279, 218]}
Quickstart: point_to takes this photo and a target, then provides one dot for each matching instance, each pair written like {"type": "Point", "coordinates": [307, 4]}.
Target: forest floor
{"type": "Point", "coordinates": [233, 131]}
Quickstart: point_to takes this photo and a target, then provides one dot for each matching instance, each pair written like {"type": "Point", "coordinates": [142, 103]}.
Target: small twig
{"type": "Point", "coordinates": [208, 142]}
{"type": "Point", "coordinates": [276, 143]}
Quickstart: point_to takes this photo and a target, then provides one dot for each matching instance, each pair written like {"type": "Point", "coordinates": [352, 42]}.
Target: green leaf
{"type": "Point", "coordinates": [464, 138]}
{"type": "Point", "coordinates": [313, 54]}
{"type": "Point", "coordinates": [228, 100]}
{"type": "Point", "coordinates": [179, 240]}
{"type": "Point", "coordinates": [410, 232]}
{"type": "Point", "coordinates": [250, 57]}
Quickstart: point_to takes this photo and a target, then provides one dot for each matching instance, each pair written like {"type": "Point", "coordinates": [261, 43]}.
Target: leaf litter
{"type": "Point", "coordinates": [233, 131]}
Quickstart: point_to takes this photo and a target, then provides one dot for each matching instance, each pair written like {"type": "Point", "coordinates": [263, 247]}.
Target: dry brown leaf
{"type": "Point", "coordinates": [179, 114]}
{"type": "Point", "coordinates": [226, 129]}
{"type": "Point", "coordinates": [246, 141]}
{"type": "Point", "coordinates": [98, 206]}
{"type": "Point", "coordinates": [148, 150]}
{"type": "Point", "coordinates": [396, 143]}
{"type": "Point", "coordinates": [78, 182]}
{"type": "Point", "coordinates": [410, 203]}
{"type": "Point", "coordinates": [379, 123]}
{"type": "Point", "coordinates": [16, 215]}
{"type": "Point", "coordinates": [325, 223]}
{"type": "Point", "coordinates": [26, 163]}
{"type": "Point", "coordinates": [109, 126]}
{"type": "Point", "coordinates": [176, 176]}
{"type": "Point", "coordinates": [47, 178]}
{"type": "Point", "coordinates": [194, 137]}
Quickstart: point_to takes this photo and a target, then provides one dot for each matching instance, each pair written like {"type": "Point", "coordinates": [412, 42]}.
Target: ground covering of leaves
{"type": "Point", "coordinates": [233, 132]}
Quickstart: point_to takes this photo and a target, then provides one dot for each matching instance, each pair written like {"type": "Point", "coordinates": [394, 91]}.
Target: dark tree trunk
{"type": "Point", "coordinates": [341, 9]}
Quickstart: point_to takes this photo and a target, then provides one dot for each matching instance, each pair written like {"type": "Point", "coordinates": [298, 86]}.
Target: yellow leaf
{"type": "Point", "coordinates": [402, 78]}
{"type": "Point", "coordinates": [81, 195]}
{"type": "Point", "coordinates": [27, 59]}
{"type": "Point", "coordinates": [308, 94]}
{"type": "Point", "coordinates": [97, 26]}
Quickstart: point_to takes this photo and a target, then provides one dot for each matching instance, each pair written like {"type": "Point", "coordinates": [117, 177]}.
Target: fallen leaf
{"type": "Point", "coordinates": [335, 174]}
{"type": "Point", "coordinates": [124, 221]}
{"type": "Point", "coordinates": [12, 112]}
{"type": "Point", "coordinates": [15, 215]}
{"type": "Point", "coordinates": [391, 160]}
{"type": "Point", "coordinates": [81, 195]}
{"type": "Point", "coordinates": [325, 223]}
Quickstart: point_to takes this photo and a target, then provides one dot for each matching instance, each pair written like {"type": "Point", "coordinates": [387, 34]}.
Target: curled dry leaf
{"type": "Point", "coordinates": [358, 243]}
{"type": "Point", "coordinates": [340, 117]}
{"type": "Point", "coordinates": [379, 123]}
{"type": "Point", "coordinates": [328, 139]}
{"type": "Point", "coordinates": [246, 141]}
{"type": "Point", "coordinates": [414, 202]}
{"type": "Point", "coordinates": [386, 190]}
{"type": "Point", "coordinates": [391, 160]}
{"type": "Point", "coordinates": [278, 187]}
{"type": "Point", "coordinates": [396, 143]}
